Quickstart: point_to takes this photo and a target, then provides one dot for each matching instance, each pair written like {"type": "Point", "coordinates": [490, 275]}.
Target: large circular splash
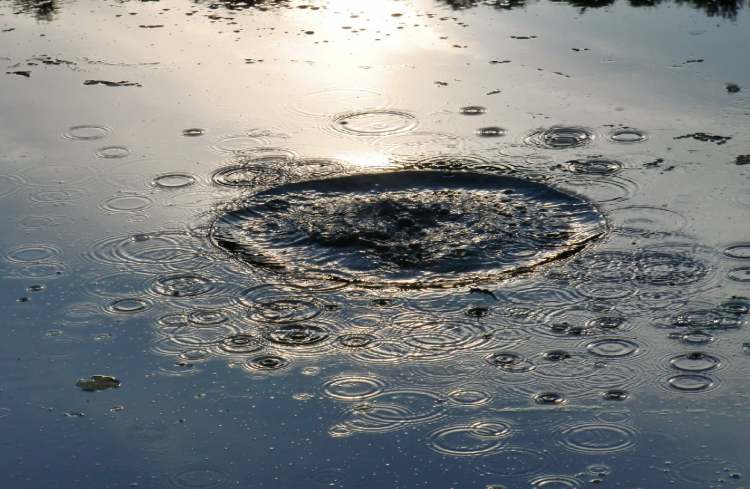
{"type": "Point", "coordinates": [408, 228]}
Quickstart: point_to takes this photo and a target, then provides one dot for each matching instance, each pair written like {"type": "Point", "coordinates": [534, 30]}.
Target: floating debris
{"type": "Point", "coordinates": [98, 383]}
{"type": "Point", "coordinates": [112, 84]}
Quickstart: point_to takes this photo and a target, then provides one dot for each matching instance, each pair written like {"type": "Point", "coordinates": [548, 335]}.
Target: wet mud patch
{"type": "Point", "coordinates": [409, 228]}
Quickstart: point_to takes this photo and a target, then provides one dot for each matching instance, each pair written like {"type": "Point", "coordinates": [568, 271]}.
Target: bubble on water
{"type": "Point", "coordinates": [353, 387]}
{"type": "Point", "coordinates": [173, 180]}
{"type": "Point", "coordinates": [199, 477]}
{"type": "Point", "coordinates": [560, 137]}
{"type": "Point", "coordinates": [695, 361]}
{"type": "Point", "coordinates": [129, 305]}
{"type": "Point", "coordinates": [615, 395]}
{"type": "Point", "coordinates": [491, 132]}
{"type": "Point", "coordinates": [594, 166]}
{"type": "Point", "coordinates": [112, 152]}
{"type": "Point", "coordinates": [469, 440]}
{"type": "Point", "coordinates": [627, 135]}
{"type": "Point", "coordinates": [193, 132]}
{"type": "Point", "coordinates": [598, 438]}
{"type": "Point", "coordinates": [740, 274]}
{"type": "Point", "coordinates": [87, 132]}
{"type": "Point", "coordinates": [392, 228]}
{"type": "Point", "coordinates": [374, 122]}
{"type": "Point", "coordinates": [613, 347]}
{"type": "Point", "coordinates": [690, 383]}
{"type": "Point", "coordinates": [472, 110]}
{"type": "Point", "coordinates": [126, 204]}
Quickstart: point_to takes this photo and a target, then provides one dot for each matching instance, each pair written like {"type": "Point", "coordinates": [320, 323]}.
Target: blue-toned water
{"type": "Point", "coordinates": [369, 244]}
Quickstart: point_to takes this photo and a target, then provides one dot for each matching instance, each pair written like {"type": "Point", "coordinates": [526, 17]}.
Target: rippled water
{"type": "Point", "coordinates": [374, 244]}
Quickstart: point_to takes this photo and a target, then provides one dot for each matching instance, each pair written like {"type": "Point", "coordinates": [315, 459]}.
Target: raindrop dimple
{"type": "Point", "coordinates": [560, 137]}
{"type": "Point", "coordinates": [112, 152]}
{"type": "Point", "coordinates": [268, 362]}
{"type": "Point", "coordinates": [627, 135]}
{"type": "Point", "coordinates": [613, 347]}
{"type": "Point", "coordinates": [374, 122]}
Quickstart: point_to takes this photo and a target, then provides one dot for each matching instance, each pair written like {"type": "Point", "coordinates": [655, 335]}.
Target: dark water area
{"type": "Point", "coordinates": [369, 244]}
